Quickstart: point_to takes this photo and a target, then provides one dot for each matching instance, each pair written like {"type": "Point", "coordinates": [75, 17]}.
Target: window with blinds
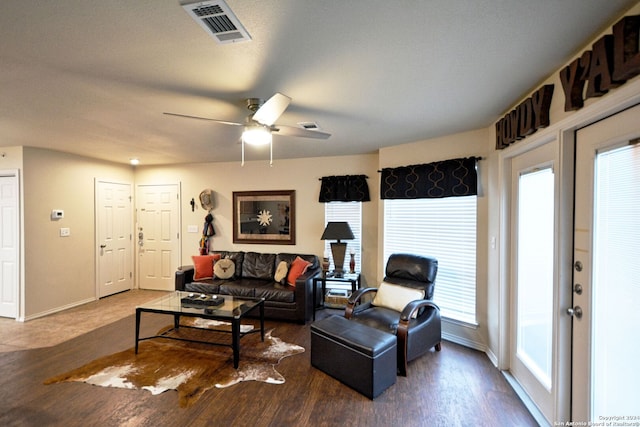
{"type": "Point", "coordinates": [445, 229]}
{"type": "Point", "coordinates": [350, 212]}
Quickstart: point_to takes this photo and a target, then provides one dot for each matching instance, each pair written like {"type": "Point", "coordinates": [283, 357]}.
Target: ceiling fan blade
{"type": "Point", "coordinates": [204, 118]}
{"type": "Point", "coordinates": [294, 131]}
{"type": "Point", "coordinates": [269, 112]}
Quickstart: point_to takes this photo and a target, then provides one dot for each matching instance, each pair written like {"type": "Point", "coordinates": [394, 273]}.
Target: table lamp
{"type": "Point", "coordinates": [338, 231]}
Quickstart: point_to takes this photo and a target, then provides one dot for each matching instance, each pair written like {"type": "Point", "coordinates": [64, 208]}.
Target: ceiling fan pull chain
{"type": "Point", "coordinates": [242, 164]}
{"type": "Point", "coordinates": [271, 154]}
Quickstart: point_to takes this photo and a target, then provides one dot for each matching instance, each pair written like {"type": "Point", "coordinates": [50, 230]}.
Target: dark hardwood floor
{"type": "Point", "coordinates": [455, 387]}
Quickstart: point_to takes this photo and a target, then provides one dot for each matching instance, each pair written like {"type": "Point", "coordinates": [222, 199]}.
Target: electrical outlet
{"type": "Point", "coordinates": [65, 232]}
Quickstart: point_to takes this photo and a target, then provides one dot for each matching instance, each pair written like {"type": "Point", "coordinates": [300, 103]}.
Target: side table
{"type": "Point", "coordinates": [352, 278]}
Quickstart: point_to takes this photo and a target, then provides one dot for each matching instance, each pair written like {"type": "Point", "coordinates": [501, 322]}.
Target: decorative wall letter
{"type": "Point", "coordinates": [529, 116]}
{"type": "Point", "coordinates": [626, 52]}
{"type": "Point", "coordinates": [612, 60]}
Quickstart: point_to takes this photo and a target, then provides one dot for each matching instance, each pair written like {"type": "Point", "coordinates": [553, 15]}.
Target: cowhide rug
{"type": "Point", "coordinates": [189, 368]}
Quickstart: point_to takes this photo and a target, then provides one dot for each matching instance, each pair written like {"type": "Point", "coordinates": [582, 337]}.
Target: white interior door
{"type": "Point", "coordinates": [535, 351]}
{"type": "Point", "coordinates": [158, 235]}
{"type": "Point", "coordinates": [114, 237]}
{"type": "Point", "coordinates": [9, 241]}
{"type": "Point", "coordinates": [606, 299]}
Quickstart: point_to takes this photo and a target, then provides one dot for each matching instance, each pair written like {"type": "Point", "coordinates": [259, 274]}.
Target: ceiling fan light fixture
{"type": "Point", "coordinates": [256, 135]}
{"type": "Point", "coordinates": [260, 124]}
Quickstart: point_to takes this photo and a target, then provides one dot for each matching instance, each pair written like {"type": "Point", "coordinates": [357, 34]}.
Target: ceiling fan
{"type": "Point", "coordinates": [260, 123]}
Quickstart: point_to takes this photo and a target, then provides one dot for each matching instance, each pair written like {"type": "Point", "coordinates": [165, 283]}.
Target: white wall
{"type": "Point", "coordinates": [301, 175]}
{"type": "Point", "coordinates": [60, 271]}
{"type": "Point", "coordinates": [11, 158]}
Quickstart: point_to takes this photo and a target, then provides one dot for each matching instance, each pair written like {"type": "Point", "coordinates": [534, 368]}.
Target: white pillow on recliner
{"type": "Point", "coordinates": [396, 297]}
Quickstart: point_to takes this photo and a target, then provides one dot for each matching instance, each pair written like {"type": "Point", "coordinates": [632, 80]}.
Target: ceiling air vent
{"type": "Point", "coordinates": [218, 20]}
{"type": "Point", "coordinates": [309, 125]}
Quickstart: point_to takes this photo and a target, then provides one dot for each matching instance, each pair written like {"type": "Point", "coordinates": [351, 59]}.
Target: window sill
{"type": "Point", "coordinates": [462, 323]}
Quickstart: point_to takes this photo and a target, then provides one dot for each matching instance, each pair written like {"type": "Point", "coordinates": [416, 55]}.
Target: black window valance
{"type": "Point", "coordinates": [456, 177]}
{"type": "Point", "coordinates": [346, 188]}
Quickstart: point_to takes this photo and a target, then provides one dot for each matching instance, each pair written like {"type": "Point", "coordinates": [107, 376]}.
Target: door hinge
{"type": "Point", "coordinates": [130, 275]}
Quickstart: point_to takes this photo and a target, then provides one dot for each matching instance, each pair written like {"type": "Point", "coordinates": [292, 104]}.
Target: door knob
{"type": "Point", "coordinates": [576, 311]}
{"type": "Point", "coordinates": [103, 246]}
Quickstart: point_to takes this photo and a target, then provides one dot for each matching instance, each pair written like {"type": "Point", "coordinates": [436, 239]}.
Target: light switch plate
{"type": "Point", "coordinates": [192, 228]}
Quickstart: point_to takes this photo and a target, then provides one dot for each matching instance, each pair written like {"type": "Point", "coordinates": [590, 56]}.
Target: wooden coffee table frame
{"type": "Point", "coordinates": [235, 321]}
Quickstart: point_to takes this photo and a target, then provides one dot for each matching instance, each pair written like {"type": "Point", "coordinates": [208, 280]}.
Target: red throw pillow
{"type": "Point", "coordinates": [298, 267]}
{"type": "Point", "coordinates": [203, 266]}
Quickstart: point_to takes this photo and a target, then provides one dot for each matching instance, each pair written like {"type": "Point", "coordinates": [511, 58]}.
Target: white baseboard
{"type": "Point", "coordinates": [57, 309]}
{"type": "Point", "coordinates": [464, 341]}
{"type": "Point", "coordinates": [492, 357]}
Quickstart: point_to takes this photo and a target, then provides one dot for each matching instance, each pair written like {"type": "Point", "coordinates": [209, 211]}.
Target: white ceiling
{"type": "Point", "coordinates": [93, 77]}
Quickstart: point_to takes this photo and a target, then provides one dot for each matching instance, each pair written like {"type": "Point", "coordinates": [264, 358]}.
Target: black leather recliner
{"type": "Point", "coordinates": [418, 326]}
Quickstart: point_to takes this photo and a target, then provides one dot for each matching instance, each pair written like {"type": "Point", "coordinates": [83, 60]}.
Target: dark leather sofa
{"type": "Point", "coordinates": [254, 277]}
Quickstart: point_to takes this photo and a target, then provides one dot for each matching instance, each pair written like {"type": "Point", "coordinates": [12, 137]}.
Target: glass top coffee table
{"type": "Point", "coordinates": [226, 308]}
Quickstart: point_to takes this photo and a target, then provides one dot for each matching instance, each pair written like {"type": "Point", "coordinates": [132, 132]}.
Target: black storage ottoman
{"type": "Point", "coordinates": [362, 357]}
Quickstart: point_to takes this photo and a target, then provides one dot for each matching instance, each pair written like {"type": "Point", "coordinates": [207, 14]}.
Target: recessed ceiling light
{"type": "Point", "coordinates": [134, 161]}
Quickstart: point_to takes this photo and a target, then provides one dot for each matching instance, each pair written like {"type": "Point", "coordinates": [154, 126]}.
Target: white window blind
{"type": "Point", "coordinates": [616, 281]}
{"type": "Point", "coordinates": [350, 212]}
{"type": "Point", "coordinates": [446, 230]}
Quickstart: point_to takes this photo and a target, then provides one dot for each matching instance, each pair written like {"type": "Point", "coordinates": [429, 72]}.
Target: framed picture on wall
{"type": "Point", "coordinates": [266, 217]}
